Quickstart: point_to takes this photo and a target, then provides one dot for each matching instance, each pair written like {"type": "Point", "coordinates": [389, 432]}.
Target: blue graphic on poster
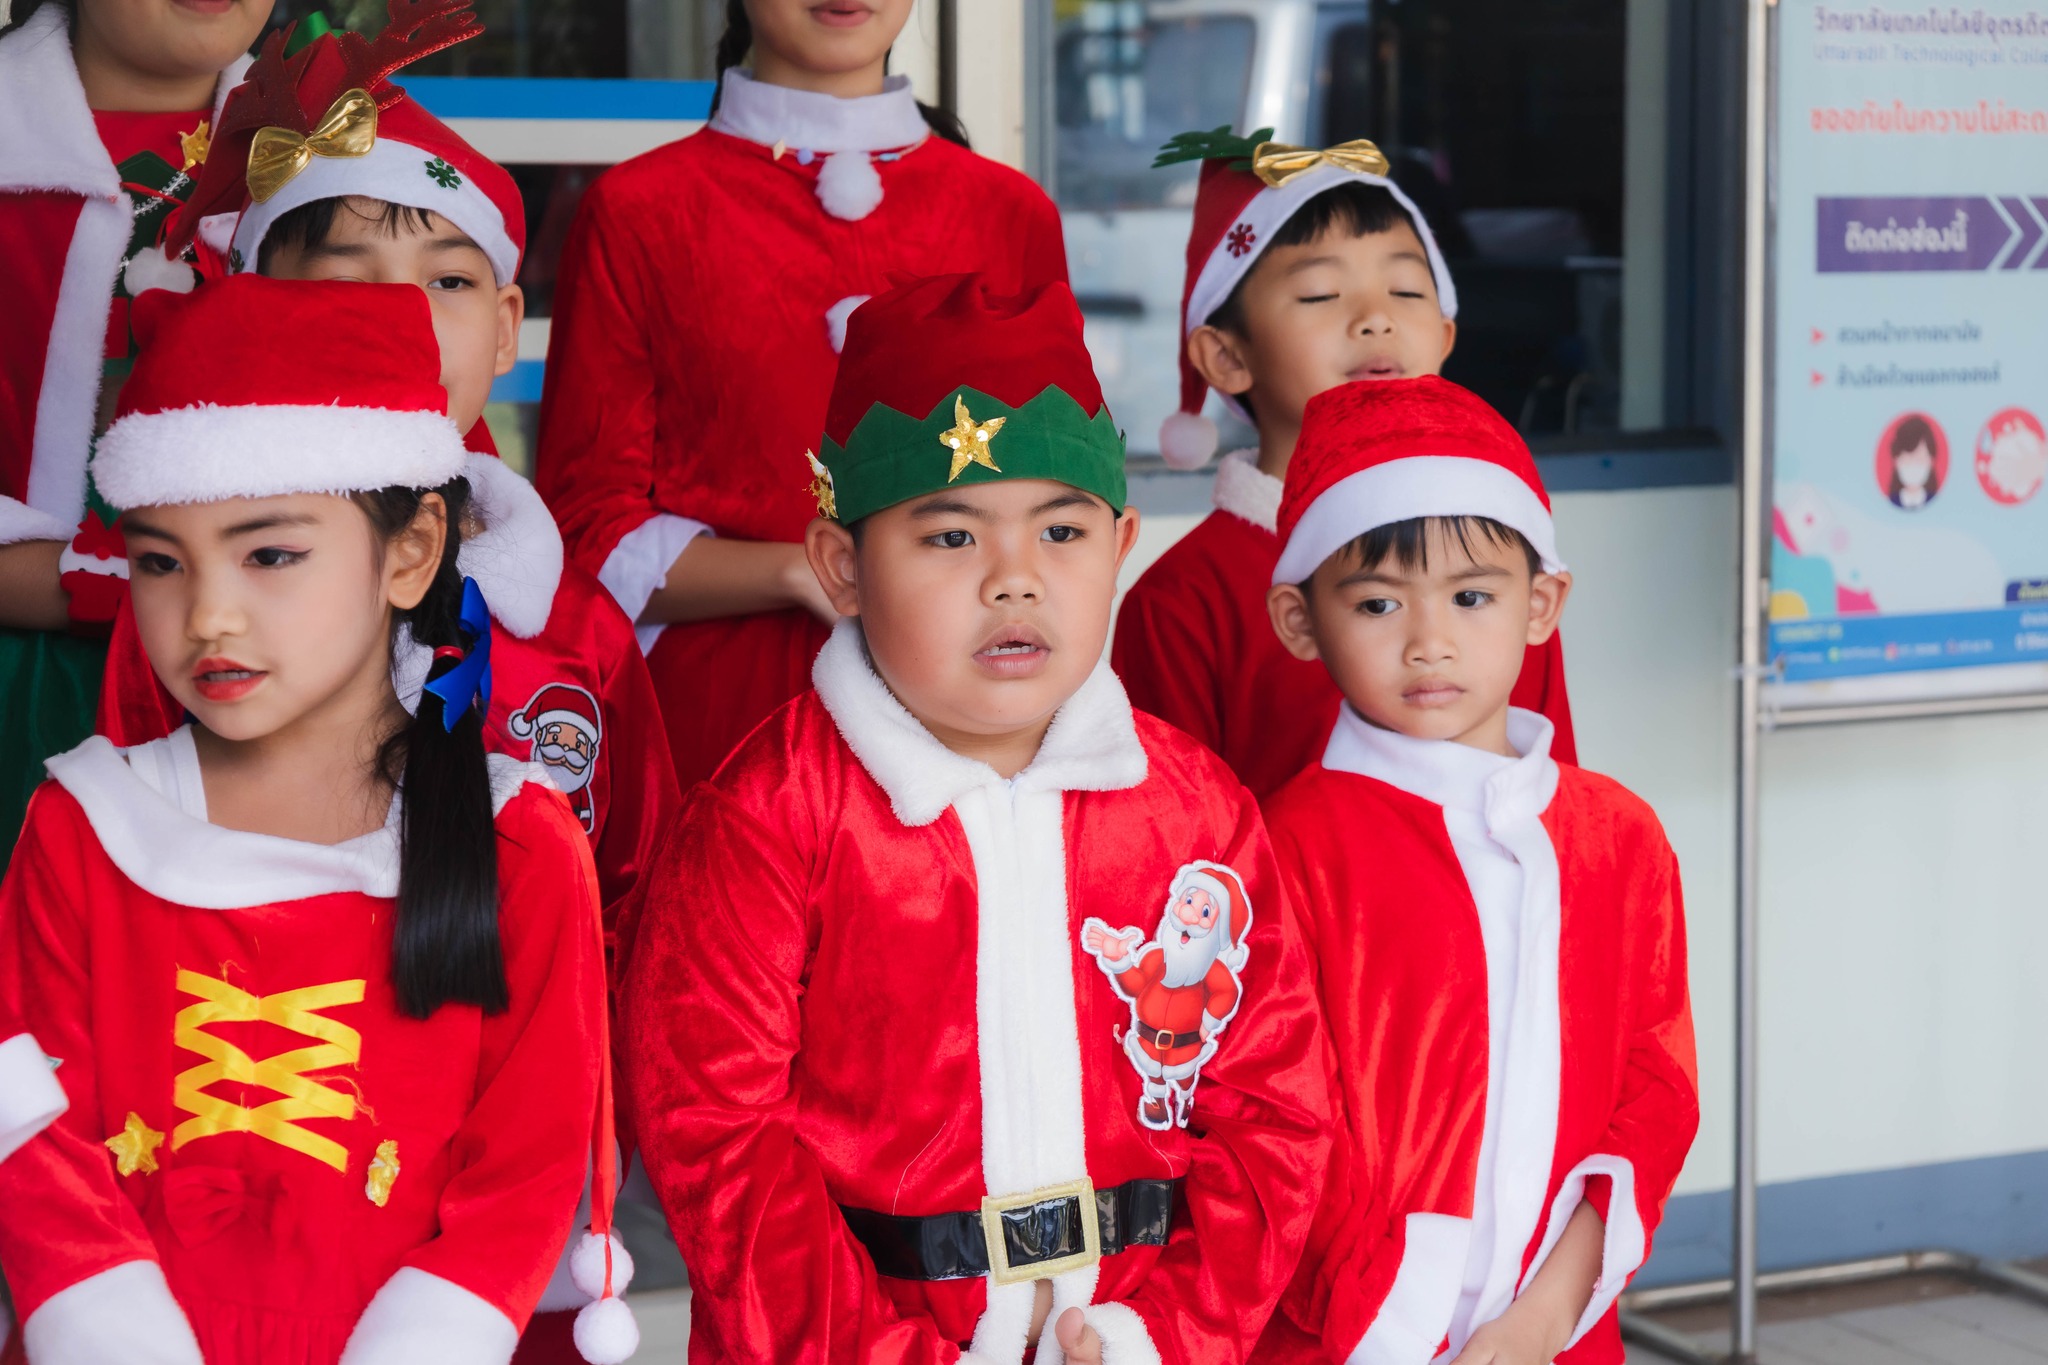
{"type": "Point", "coordinates": [1910, 348]}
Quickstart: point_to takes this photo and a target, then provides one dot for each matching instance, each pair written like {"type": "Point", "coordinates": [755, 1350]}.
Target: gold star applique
{"type": "Point", "coordinates": [134, 1147]}
{"type": "Point", "coordinates": [969, 440]}
{"type": "Point", "coordinates": [821, 487]}
{"type": "Point", "coordinates": [383, 1171]}
{"type": "Point", "coordinates": [195, 145]}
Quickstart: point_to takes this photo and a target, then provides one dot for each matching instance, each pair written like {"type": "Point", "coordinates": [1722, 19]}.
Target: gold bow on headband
{"type": "Point", "coordinates": [349, 128]}
{"type": "Point", "coordinates": [1276, 163]}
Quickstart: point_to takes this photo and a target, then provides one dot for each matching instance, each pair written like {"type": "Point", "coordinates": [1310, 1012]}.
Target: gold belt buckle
{"type": "Point", "coordinates": [993, 1209]}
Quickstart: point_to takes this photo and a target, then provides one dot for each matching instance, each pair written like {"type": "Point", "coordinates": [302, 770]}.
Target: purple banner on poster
{"type": "Point", "coordinates": [1909, 234]}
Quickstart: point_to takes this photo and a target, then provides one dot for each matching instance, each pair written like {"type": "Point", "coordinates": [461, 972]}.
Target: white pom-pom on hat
{"type": "Point", "coordinates": [836, 316]}
{"type": "Point", "coordinates": [1187, 440]}
{"type": "Point", "coordinates": [150, 268]}
{"type": "Point", "coordinates": [586, 1265]}
{"type": "Point", "coordinates": [605, 1332]}
{"type": "Point", "coordinates": [849, 186]}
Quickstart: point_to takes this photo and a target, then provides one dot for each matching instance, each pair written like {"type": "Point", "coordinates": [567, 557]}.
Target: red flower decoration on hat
{"type": "Point", "coordinates": [1240, 239]}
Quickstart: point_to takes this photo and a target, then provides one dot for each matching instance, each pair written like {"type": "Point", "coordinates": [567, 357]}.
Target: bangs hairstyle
{"type": "Point", "coordinates": [1355, 209]}
{"type": "Point", "coordinates": [1406, 543]}
{"type": "Point", "coordinates": [309, 226]}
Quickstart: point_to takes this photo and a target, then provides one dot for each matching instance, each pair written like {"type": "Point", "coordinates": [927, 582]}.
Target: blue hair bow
{"type": "Point", "coordinates": [469, 682]}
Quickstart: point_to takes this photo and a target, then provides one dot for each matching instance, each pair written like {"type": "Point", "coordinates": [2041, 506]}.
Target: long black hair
{"type": "Point", "coordinates": [444, 944]}
{"type": "Point", "coordinates": [738, 40]}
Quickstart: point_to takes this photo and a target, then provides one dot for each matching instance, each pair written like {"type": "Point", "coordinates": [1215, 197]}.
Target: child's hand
{"type": "Point", "coordinates": [1080, 1341]}
{"type": "Point", "coordinates": [1505, 1341]}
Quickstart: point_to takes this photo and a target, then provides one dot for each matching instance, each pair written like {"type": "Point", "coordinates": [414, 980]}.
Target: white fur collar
{"type": "Point", "coordinates": [517, 560]}
{"type": "Point", "coordinates": [1455, 776]}
{"type": "Point", "coordinates": [1248, 492]}
{"type": "Point", "coordinates": [1092, 744]}
{"type": "Point", "coordinates": [50, 141]}
{"type": "Point", "coordinates": [805, 121]}
{"type": "Point", "coordinates": [187, 861]}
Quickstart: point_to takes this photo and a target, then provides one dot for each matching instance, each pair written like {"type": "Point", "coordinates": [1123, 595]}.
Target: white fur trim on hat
{"type": "Point", "coordinates": [1269, 211]}
{"type": "Point", "coordinates": [208, 453]}
{"type": "Point", "coordinates": [836, 316]}
{"type": "Point", "coordinates": [1187, 440]}
{"type": "Point", "coordinates": [1421, 486]}
{"type": "Point", "coordinates": [397, 173]}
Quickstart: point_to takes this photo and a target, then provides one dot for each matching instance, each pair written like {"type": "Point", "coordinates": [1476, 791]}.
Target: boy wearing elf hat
{"type": "Point", "coordinates": [1305, 270]}
{"type": "Point", "coordinates": [919, 1066]}
{"type": "Point", "coordinates": [322, 169]}
{"type": "Point", "coordinates": [1499, 937]}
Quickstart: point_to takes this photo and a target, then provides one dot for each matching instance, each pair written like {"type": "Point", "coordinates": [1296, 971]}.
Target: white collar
{"type": "Point", "coordinates": [1500, 790]}
{"type": "Point", "coordinates": [51, 141]}
{"type": "Point", "coordinates": [191, 862]}
{"type": "Point", "coordinates": [806, 121]}
{"type": "Point", "coordinates": [517, 559]}
{"type": "Point", "coordinates": [1248, 492]}
{"type": "Point", "coordinates": [1092, 744]}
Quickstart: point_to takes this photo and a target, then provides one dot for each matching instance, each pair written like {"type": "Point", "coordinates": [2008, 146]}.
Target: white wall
{"type": "Point", "coordinates": [1905, 950]}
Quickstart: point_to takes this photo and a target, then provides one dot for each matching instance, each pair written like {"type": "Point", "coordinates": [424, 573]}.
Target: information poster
{"type": "Point", "coordinates": [1910, 352]}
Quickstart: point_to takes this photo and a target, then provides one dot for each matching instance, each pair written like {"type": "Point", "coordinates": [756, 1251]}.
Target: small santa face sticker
{"type": "Point", "coordinates": [562, 721]}
{"type": "Point", "coordinates": [1183, 984]}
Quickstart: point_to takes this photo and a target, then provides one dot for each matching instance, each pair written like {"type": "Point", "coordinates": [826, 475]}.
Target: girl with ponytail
{"type": "Point", "coordinates": [326, 979]}
{"type": "Point", "coordinates": [701, 300]}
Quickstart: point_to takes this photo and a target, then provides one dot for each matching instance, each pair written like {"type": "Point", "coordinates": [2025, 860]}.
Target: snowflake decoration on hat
{"type": "Point", "coordinates": [1240, 239]}
{"type": "Point", "coordinates": [442, 174]}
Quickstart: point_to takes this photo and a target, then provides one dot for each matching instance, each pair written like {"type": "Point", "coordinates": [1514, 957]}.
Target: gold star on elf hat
{"type": "Point", "coordinates": [944, 384]}
{"type": "Point", "coordinates": [1250, 187]}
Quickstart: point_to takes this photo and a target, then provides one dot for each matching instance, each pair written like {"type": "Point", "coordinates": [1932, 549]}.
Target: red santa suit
{"type": "Point", "coordinates": [1503, 969]}
{"type": "Point", "coordinates": [702, 296]}
{"type": "Point", "coordinates": [264, 1159]}
{"type": "Point", "coordinates": [1195, 646]}
{"type": "Point", "coordinates": [861, 1006]}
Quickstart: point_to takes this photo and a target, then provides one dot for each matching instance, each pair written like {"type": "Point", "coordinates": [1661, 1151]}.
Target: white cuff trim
{"type": "Point", "coordinates": [1416, 1313]}
{"type": "Point", "coordinates": [418, 1317]}
{"type": "Point", "coordinates": [638, 565]}
{"type": "Point", "coordinates": [122, 1316]}
{"type": "Point", "coordinates": [19, 522]}
{"type": "Point", "coordinates": [1125, 1340]}
{"type": "Point", "coordinates": [29, 1094]}
{"type": "Point", "coordinates": [1416, 486]}
{"type": "Point", "coordinates": [1623, 1247]}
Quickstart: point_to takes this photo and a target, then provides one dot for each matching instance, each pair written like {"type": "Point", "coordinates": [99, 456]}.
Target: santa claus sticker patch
{"type": "Point", "coordinates": [1182, 984]}
{"type": "Point", "coordinates": [561, 720]}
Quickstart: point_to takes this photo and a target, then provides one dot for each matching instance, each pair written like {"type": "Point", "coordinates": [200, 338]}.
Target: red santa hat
{"type": "Point", "coordinates": [1224, 886]}
{"type": "Point", "coordinates": [1376, 452]}
{"type": "Point", "coordinates": [226, 402]}
{"type": "Point", "coordinates": [557, 704]}
{"type": "Point", "coordinates": [1249, 188]}
{"type": "Point", "coordinates": [327, 122]}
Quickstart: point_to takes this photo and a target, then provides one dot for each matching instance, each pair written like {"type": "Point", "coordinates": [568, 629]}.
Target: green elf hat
{"type": "Point", "coordinates": [943, 384]}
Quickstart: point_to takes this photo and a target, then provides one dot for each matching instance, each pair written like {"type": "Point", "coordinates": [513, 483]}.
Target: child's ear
{"type": "Point", "coordinates": [1126, 535]}
{"type": "Point", "coordinates": [414, 555]}
{"type": "Point", "coordinates": [1219, 357]}
{"type": "Point", "coordinates": [1547, 592]}
{"type": "Point", "coordinates": [1287, 607]}
{"type": "Point", "coordinates": [1450, 340]}
{"type": "Point", "coordinates": [829, 548]}
{"type": "Point", "coordinates": [511, 312]}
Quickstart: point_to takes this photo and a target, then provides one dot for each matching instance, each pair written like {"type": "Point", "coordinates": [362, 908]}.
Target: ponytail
{"type": "Point", "coordinates": [738, 39]}
{"type": "Point", "coordinates": [444, 944]}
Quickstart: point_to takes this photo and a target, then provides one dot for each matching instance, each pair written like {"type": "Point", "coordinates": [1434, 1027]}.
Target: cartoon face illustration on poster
{"type": "Point", "coordinates": [1912, 461]}
{"type": "Point", "coordinates": [1183, 984]}
{"type": "Point", "coordinates": [561, 720]}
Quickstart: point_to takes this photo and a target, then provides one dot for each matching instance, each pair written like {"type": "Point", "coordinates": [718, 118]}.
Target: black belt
{"type": "Point", "coordinates": [1167, 1042]}
{"type": "Point", "coordinates": [1041, 1233]}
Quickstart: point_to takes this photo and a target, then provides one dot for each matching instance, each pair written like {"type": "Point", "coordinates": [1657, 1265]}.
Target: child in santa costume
{"type": "Point", "coordinates": [415, 204]}
{"type": "Point", "coordinates": [326, 980]}
{"type": "Point", "coordinates": [1498, 936]}
{"type": "Point", "coordinates": [105, 110]}
{"type": "Point", "coordinates": [905, 1068]}
{"type": "Point", "coordinates": [702, 296]}
{"type": "Point", "coordinates": [1305, 270]}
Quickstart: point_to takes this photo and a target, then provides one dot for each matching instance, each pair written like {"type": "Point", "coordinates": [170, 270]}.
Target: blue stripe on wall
{"type": "Point", "coordinates": [526, 97]}
{"type": "Point", "coordinates": [521, 384]}
{"type": "Point", "coordinates": [1993, 1206]}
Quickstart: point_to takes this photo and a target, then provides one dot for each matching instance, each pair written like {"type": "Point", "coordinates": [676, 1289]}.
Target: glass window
{"type": "Point", "coordinates": [671, 39]}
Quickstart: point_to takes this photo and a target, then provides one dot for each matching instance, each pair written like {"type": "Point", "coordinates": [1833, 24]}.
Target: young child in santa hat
{"type": "Point", "coordinates": [419, 206]}
{"type": "Point", "coordinates": [1305, 270]}
{"type": "Point", "coordinates": [1498, 936]}
{"type": "Point", "coordinates": [702, 296]}
{"type": "Point", "coordinates": [105, 107]}
{"type": "Point", "coordinates": [966, 1002]}
{"type": "Point", "coordinates": [326, 980]}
